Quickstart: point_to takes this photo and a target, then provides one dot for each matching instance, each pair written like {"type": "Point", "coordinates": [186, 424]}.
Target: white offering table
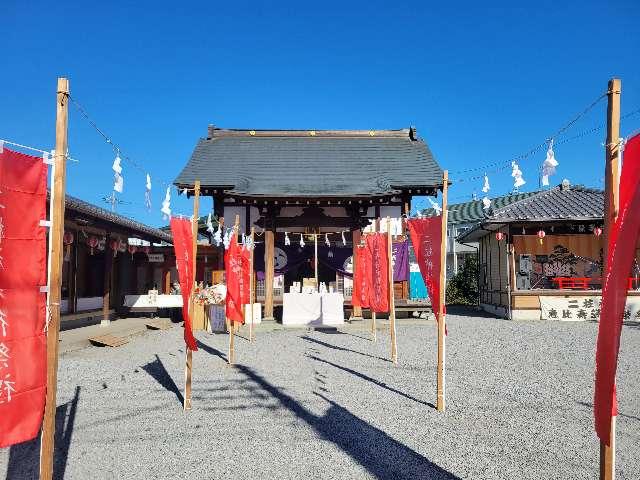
{"type": "Point", "coordinates": [312, 309]}
{"type": "Point", "coordinates": [153, 301]}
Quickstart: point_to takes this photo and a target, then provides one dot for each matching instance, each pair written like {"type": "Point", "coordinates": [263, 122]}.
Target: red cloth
{"type": "Point", "coordinates": [237, 262]}
{"type": "Point", "coordinates": [23, 264]}
{"type": "Point", "coordinates": [181, 230]}
{"type": "Point", "coordinates": [379, 288]}
{"type": "Point", "coordinates": [426, 237]}
{"type": "Point", "coordinates": [361, 277]}
{"type": "Point", "coordinates": [621, 251]}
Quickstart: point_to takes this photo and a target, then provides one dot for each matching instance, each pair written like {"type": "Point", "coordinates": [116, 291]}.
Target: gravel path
{"type": "Point", "coordinates": [317, 405]}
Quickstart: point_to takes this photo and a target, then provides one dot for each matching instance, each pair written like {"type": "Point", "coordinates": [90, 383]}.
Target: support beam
{"type": "Point", "coordinates": [55, 278]}
{"type": "Point", "coordinates": [611, 199]}
{"type": "Point", "coordinates": [269, 252]}
{"type": "Point", "coordinates": [106, 286]}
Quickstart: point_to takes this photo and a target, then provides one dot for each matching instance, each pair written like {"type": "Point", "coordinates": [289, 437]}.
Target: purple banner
{"type": "Point", "coordinates": [400, 252]}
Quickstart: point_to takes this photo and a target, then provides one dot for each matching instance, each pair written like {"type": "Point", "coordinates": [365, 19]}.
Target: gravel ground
{"type": "Point", "coordinates": [314, 405]}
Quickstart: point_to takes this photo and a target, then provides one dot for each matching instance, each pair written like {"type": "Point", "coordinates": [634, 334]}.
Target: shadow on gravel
{"type": "Point", "coordinates": [381, 455]}
{"type": "Point", "coordinates": [211, 350]}
{"type": "Point", "coordinates": [372, 380]}
{"type": "Point", "coordinates": [24, 458]}
{"type": "Point", "coordinates": [590, 407]}
{"type": "Point", "coordinates": [343, 349]}
{"type": "Point", "coordinates": [159, 373]}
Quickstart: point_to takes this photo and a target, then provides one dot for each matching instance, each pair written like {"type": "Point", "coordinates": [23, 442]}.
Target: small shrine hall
{"type": "Point", "coordinates": [309, 193]}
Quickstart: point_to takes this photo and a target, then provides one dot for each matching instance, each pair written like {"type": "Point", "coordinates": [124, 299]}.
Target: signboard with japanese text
{"type": "Point", "coordinates": [582, 308]}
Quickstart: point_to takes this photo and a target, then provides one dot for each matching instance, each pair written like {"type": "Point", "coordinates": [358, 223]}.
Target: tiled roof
{"type": "Point", "coordinates": [136, 228]}
{"type": "Point", "coordinates": [312, 163]}
{"type": "Point", "coordinates": [562, 203]}
{"type": "Point", "coordinates": [559, 203]}
{"type": "Point", "coordinates": [473, 211]}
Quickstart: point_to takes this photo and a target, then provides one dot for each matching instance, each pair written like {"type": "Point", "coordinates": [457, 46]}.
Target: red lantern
{"type": "Point", "coordinates": [132, 249]}
{"type": "Point", "coordinates": [113, 244]}
{"type": "Point", "coordinates": [92, 241]}
{"type": "Point", "coordinates": [499, 236]}
{"type": "Point", "coordinates": [67, 239]}
{"type": "Point", "coordinates": [541, 235]}
{"type": "Point", "coordinates": [597, 231]}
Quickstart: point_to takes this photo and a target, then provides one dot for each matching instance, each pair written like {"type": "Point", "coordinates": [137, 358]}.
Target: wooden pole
{"type": "Point", "coordinates": [106, 283]}
{"type": "Point", "coordinates": [315, 261]}
{"type": "Point", "coordinates": [374, 328]}
{"type": "Point", "coordinates": [355, 238]}
{"type": "Point", "coordinates": [440, 404]}
{"type": "Point", "coordinates": [188, 370]}
{"type": "Point", "coordinates": [392, 300]}
{"type": "Point", "coordinates": [232, 329]}
{"type": "Point", "coordinates": [611, 198]}
{"type": "Point", "coordinates": [55, 278]}
{"type": "Point", "coordinates": [269, 252]}
{"type": "Point", "coordinates": [251, 288]}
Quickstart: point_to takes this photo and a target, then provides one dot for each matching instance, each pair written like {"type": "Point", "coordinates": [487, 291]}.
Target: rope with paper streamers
{"type": "Point", "coordinates": [504, 165]}
{"type": "Point", "coordinates": [117, 168]}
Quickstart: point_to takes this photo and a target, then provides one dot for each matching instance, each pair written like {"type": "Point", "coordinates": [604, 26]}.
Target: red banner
{"type": "Point", "coordinates": [379, 288]}
{"type": "Point", "coordinates": [361, 277]}
{"type": "Point", "coordinates": [237, 263]}
{"type": "Point", "coordinates": [622, 240]}
{"type": "Point", "coordinates": [23, 264]}
{"type": "Point", "coordinates": [426, 237]}
{"type": "Point", "coordinates": [181, 230]}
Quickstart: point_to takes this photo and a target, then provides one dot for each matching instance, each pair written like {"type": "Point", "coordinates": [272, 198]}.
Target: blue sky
{"type": "Point", "coordinates": [481, 81]}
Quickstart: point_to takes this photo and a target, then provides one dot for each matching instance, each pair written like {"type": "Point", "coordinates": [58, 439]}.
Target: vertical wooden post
{"type": "Point", "coordinates": [106, 284]}
{"type": "Point", "coordinates": [55, 278]}
{"type": "Point", "coordinates": [188, 369]}
{"type": "Point", "coordinates": [374, 328]}
{"type": "Point", "coordinates": [355, 239]}
{"type": "Point", "coordinates": [232, 324]}
{"type": "Point", "coordinates": [611, 192]}
{"type": "Point", "coordinates": [73, 278]}
{"type": "Point", "coordinates": [440, 404]}
{"type": "Point", "coordinates": [251, 283]}
{"type": "Point", "coordinates": [269, 252]}
{"type": "Point", "coordinates": [166, 281]}
{"type": "Point", "coordinates": [392, 300]}
{"type": "Point", "coordinates": [315, 260]}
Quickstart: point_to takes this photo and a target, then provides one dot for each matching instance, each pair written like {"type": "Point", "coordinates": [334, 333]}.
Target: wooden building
{"type": "Point", "coordinates": [309, 181]}
{"type": "Point", "coordinates": [108, 256]}
{"type": "Point", "coordinates": [541, 257]}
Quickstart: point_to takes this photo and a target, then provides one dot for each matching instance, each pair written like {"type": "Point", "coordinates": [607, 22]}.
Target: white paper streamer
{"type": "Point", "coordinates": [435, 206]}
{"type": "Point", "coordinates": [147, 193]}
{"type": "Point", "coordinates": [326, 240]}
{"type": "Point", "coordinates": [549, 165]}
{"type": "Point", "coordinates": [516, 173]}
{"type": "Point", "coordinates": [166, 204]}
{"type": "Point", "coordinates": [118, 180]}
{"type": "Point", "coordinates": [301, 241]}
{"type": "Point", "coordinates": [287, 241]}
{"type": "Point", "coordinates": [227, 238]}
{"type": "Point", "coordinates": [217, 237]}
{"type": "Point", "coordinates": [344, 242]}
{"type": "Point", "coordinates": [486, 187]}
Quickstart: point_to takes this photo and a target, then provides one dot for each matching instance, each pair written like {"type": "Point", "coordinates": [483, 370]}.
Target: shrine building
{"type": "Point", "coordinates": [308, 193]}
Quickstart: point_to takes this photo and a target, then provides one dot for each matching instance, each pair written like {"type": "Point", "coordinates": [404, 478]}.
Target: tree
{"type": "Point", "coordinates": [462, 289]}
